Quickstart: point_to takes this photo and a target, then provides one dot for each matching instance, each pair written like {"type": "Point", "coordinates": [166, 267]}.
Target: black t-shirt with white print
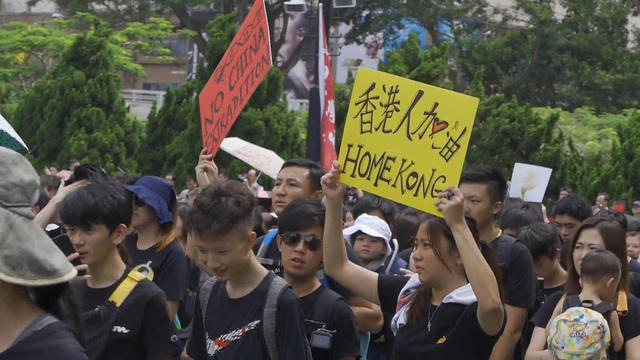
{"type": "Point", "coordinates": [168, 265]}
{"type": "Point", "coordinates": [340, 319]}
{"type": "Point", "coordinates": [142, 329]}
{"type": "Point", "coordinates": [455, 332]}
{"type": "Point", "coordinates": [234, 326]}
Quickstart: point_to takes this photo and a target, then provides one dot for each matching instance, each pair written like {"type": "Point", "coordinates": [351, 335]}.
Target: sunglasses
{"type": "Point", "coordinates": [293, 239]}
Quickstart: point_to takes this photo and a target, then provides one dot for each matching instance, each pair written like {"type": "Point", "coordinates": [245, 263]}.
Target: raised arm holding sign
{"type": "Point", "coordinates": [405, 140]}
{"type": "Point", "coordinates": [244, 64]}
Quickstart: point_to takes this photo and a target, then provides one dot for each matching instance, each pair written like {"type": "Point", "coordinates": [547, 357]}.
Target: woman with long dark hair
{"type": "Point", "coordinates": [452, 308]}
{"type": "Point", "coordinates": [38, 318]}
{"type": "Point", "coordinates": [594, 233]}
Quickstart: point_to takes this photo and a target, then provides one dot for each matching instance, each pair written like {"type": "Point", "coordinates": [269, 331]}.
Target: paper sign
{"type": "Point", "coordinates": [244, 64]}
{"type": "Point", "coordinates": [619, 206]}
{"type": "Point", "coordinates": [529, 182]}
{"type": "Point", "coordinates": [404, 140]}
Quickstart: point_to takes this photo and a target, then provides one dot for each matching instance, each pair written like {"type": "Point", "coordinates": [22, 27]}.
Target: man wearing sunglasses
{"type": "Point", "coordinates": [298, 178]}
{"type": "Point", "coordinates": [329, 322]}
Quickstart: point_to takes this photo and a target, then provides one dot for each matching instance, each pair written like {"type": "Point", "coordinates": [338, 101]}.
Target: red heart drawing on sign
{"type": "Point", "coordinates": [438, 125]}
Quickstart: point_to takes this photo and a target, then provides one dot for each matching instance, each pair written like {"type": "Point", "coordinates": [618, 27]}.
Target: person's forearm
{"type": "Point", "coordinates": [367, 319]}
{"type": "Point", "coordinates": [482, 280]}
{"type": "Point", "coordinates": [539, 355]}
{"type": "Point", "coordinates": [172, 309]}
{"type": "Point", "coordinates": [368, 315]}
{"type": "Point", "coordinates": [333, 248]}
{"type": "Point", "coordinates": [503, 350]}
{"type": "Point", "coordinates": [46, 215]}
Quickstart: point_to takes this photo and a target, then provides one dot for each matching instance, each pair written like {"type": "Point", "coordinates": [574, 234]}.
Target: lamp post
{"type": "Point", "coordinates": [294, 7]}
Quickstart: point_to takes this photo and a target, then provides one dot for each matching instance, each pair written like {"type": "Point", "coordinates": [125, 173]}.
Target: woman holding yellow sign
{"type": "Point", "coordinates": [452, 307]}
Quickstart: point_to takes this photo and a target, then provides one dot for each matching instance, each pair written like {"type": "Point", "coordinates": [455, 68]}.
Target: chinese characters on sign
{"type": "Point", "coordinates": [405, 140]}
{"type": "Point", "coordinates": [244, 64]}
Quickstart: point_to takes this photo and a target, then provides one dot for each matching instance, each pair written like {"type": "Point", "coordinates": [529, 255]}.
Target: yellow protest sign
{"type": "Point", "coordinates": [404, 140]}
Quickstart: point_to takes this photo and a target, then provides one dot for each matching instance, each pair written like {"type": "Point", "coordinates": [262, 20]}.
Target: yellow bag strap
{"type": "Point", "coordinates": [126, 286]}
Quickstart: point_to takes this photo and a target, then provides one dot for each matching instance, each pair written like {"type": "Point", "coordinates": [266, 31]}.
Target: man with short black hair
{"type": "Point", "coordinates": [134, 326]}
{"type": "Point", "coordinates": [298, 178]}
{"type": "Point", "coordinates": [484, 189]}
{"type": "Point", "coordinates": [376, 206]}
{"type": "Point", "coordinates": [543, 241]}
{"type": "Point", "coordinates": [300, 232]}
{"type": "Point", "coordinates": [245, 311]}
{"type": "Point", "coordinates": [518, 214]}
{"type": "Point", "coordinates": [569, 214]}
{"type": "Point", "coordinates": [50, 184]}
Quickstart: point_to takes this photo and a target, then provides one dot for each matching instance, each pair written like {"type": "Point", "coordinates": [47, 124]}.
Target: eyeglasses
{"type": "Point", "coordinates": [293, 239]}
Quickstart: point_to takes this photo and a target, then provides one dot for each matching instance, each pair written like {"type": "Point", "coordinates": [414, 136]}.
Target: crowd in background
{"type": "Point", "coordinates": [312, 269]}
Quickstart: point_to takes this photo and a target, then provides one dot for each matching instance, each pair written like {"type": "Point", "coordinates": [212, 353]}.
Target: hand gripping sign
{"type": "Point", "coordinates": [404, 140]}
{"type": "Point", "coordinates": [244, 64]}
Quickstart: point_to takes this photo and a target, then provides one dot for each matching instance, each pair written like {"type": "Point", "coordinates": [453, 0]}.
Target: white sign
{"type": "Point", "coordinates": [529, 182]}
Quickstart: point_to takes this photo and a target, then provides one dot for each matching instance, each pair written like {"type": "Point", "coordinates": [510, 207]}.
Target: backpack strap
{"type": "Point", "coordinates": [125, 287]}
{"type": "Point", "coordinates": [276, 287]}
{"type": "Point", "coordinates": [203, 296]}
{"type": "Point", "coordinates": [266, 241]}
{"type": "Point", "coordinates": [604, 308]}
{"type": "Point", "coordinates": [571, 301]}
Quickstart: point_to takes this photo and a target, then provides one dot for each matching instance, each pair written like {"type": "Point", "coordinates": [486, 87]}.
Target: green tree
{"type": "Point", "coordinates": [75, 111]}
{"type": "Point", "coordinates": [613, 169]}
{"type": "Point", "coordinates": [430, 66]}
{"type": "Point", "coordinates": [29, 51]}
{"type": "Point", "coordinates": [585, 58]}
{"type": "Point", "coordinates": [506, 132]}
{"type": "Point", "coordinates": [443, 20]}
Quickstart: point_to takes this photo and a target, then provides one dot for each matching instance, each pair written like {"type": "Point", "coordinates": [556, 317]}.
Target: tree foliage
{"type": "Point", "coordinates": [584, 58]}
{"type": "Point", "coordinates": [29, 51]}
{"type": "Point", "coordinates": [75, 111]}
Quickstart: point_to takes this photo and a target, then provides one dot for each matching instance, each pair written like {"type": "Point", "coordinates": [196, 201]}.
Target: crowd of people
{"type": "Point", "coordinates": [100, 267]}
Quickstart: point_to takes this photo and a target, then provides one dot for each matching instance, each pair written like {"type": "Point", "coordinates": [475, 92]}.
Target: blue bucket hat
{"type": "Point", "coordinates": [157, 193]}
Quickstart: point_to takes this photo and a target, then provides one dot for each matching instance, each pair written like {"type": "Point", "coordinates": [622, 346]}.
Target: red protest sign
{"type": "Point", "coordinates": [244, 64]}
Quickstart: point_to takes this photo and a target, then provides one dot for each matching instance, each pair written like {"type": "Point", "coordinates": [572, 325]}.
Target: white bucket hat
{"type": "Point", "coordinates": [28, 256]}
{"type": "Point", "coordinates": [372, 226]}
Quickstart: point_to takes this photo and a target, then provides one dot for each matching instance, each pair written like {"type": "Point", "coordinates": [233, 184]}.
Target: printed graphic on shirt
{"type": "Point", "coordinates": [222, 341]}
{"type": "Point", "coordinates": [120, 329]}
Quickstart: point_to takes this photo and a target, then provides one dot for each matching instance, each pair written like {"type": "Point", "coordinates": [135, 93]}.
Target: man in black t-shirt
{"type": "Point", "coordinates": [95, 218]}
{"type": "Point", "coordinates": [230, 321]}
{"type": "Point", "coordinates": [327, 316]}
{"type": "Point", "coordinates": [484, 189]}
{"type": "Point", "coordinates": [569, 212]}
{"type": "Point", "coordinates": [298, 178]}
{"type": "Point", "coordinates": [543, 241]}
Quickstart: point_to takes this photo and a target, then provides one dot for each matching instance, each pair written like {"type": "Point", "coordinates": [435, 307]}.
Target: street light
{"type": "Point", "coordinates": [337, 4]}
{"type": "Point", "coordinates": [293, 7]}
{"type": "Point", "coordinates": [296, 7]}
